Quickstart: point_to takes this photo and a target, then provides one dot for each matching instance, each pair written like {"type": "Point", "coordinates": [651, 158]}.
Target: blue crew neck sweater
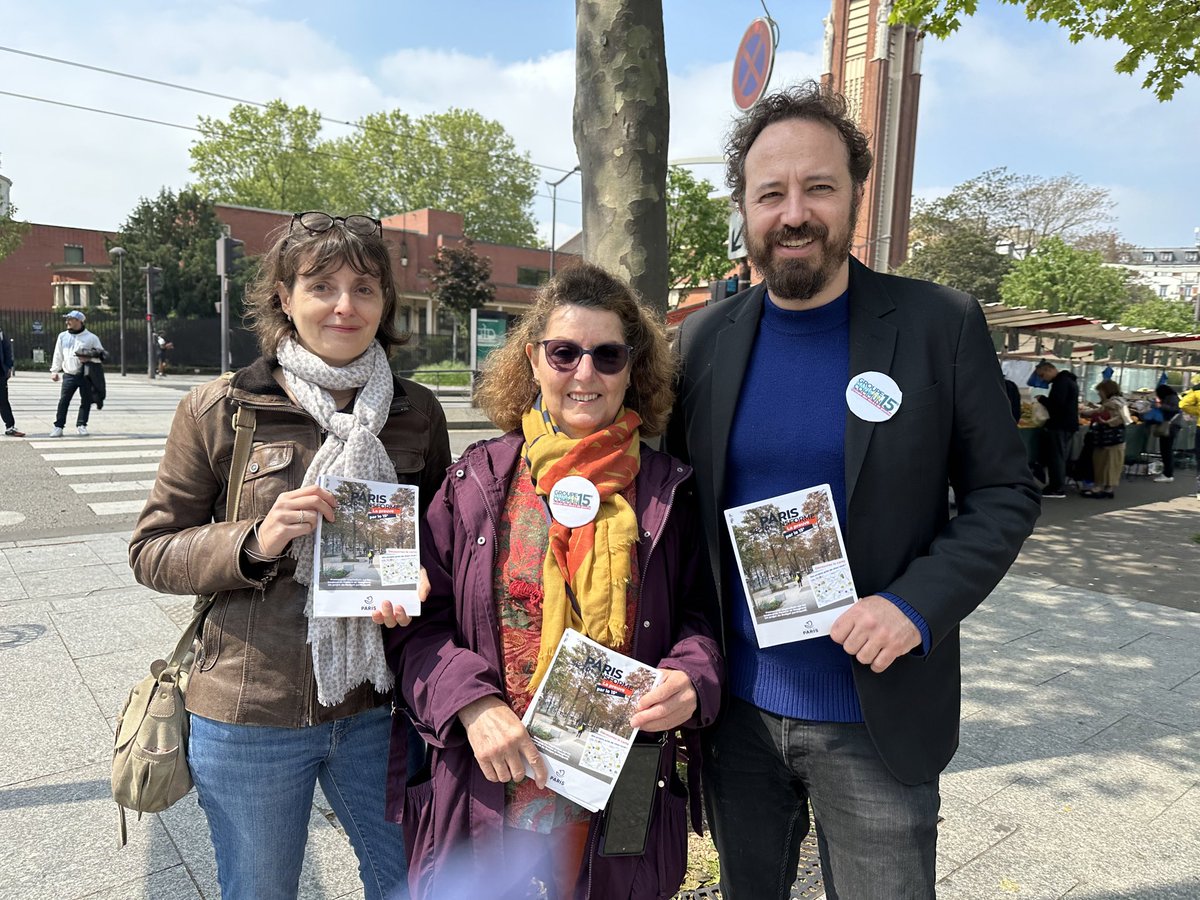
{"type": "Point", "coordinates": [788, 433]}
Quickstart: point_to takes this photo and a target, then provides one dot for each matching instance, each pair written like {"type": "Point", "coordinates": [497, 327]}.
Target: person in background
{"type": "Point", "coordinates": [584, 376]}
{"type": "Point", "coordinates": [163, 347]}
{"type": "Point", "coordinates": [1190, 403]}
{"type": "Point", "coordinates": [1062, 403]}
{"type": "Point", "coordinates": [1014, 398]}
{"type": "Point", "coordinates": [7, 370]}
{"type": "Point", "coordinates": [280, 699]}
{"type": "Point", "coordinates": [887, 389]}
{"type": "Point", "coordinates": [1167, 402]}
{"type": "Point", "coordinates": [74, 347]}
{"type": "Point", "coordinates": [1107, 432]}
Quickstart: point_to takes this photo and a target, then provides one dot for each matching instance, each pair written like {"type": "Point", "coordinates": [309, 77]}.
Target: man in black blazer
{"type": "Point", "coordinates": [862, 722]}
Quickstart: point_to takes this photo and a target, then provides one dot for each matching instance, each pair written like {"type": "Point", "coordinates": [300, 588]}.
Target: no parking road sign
{"type": "Point", "coordinates": [753, 62]}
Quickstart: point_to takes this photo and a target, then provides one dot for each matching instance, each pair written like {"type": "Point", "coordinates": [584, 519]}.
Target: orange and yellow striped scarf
{"type": "Point", "coordinates": [591, 561]}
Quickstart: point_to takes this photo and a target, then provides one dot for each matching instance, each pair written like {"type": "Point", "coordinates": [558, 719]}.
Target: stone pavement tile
{"type": "Point", "coordinates": [11, 589]}
{"type": "Point", "coordinates": [967, 832]}
{"type": "Point", "coordinates": [1089, 791]}
{"type": "Point", "coordinates": [7, 545]}
{"type": "Point", "coordinates": [1162, 659]}
{"type": "Point", "coordinates": [111, 676]}
{"type": "Point", "coordinates": [1012, 867]}
{"type": "Point", "coordinates": [5, 566]}
{"type": "Point", "coordinates": [1188, 688]}
{"type": "Point", "coordinates": [124, 595]}
{"type": "Point", "coordinates": [75, 582]}
{"type": "Point", "coordinates": [1181, 820]}
{"type": "Point", "coordinates": [174, 883]}
{"type": "Point", "coordinates": [1000, 666]}
{"type": "Point", "coordinates": [60, 839]}
{"type": "Point", "coordinates": [1108, 683]}
{"type": "Point", "coordinates": [50, 720]}
{"type": "Point", "coordinates": [122, 573]}
{"type": "Point", "coordinates": [111, 548]}
{"type": "Point", "coordinates": [330, 866]}
{"type": "Point", "coordinates": [1155, 743]}
{"type": "Point", "coordinates": [97, 631]}
{"type": "Point", "coordinates": [50, 557]}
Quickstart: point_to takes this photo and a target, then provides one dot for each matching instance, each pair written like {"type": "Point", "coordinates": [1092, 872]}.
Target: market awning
{"type": "Point", "coordinates": [1057, 326]}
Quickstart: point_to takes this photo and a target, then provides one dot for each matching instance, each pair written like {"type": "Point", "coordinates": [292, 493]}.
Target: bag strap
{"type": "Point", "coordinates": [243, 440]}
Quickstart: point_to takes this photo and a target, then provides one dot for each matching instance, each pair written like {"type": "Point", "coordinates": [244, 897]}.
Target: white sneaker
{"type": "Point", "coordinates": [55, 432]}
{"type": "Point", "coordinates": [1164, 479]}
{"type": "Point", "coordinates": [82, 431]}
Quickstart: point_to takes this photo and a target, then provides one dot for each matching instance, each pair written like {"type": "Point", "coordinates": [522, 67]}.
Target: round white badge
{"type": "Point", "coordinates": [574, 501]}
{"type": "Point", "coordinates": [873, 396]}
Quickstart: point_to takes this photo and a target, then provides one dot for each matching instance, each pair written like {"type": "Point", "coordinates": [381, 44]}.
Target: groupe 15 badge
{"type": "Point", "coordinates": [873, 396]}
{"type": "Point", "coordinates": [574, 501]}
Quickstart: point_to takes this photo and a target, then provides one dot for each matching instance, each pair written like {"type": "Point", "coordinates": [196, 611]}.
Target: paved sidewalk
{"type": "Point", "coordinates": [1078, 774]}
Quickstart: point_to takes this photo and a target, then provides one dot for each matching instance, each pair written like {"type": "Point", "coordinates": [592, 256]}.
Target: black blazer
{"type": "Point", "coordinates": [953, 427]}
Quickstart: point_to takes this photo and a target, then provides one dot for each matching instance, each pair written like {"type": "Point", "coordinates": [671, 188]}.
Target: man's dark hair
{"type": "Point", "coordinates": [808, 101]}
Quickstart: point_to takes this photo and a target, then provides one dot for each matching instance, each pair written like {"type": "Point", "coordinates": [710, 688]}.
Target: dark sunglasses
{"type": "Point", "coordinates": [564, 356]}
{"type": "Point", "coordinates": [315, 222]}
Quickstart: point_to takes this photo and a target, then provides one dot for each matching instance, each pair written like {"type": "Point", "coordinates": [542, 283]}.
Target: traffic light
{"type": "Point", "coordinates": [231, 256]}
{"type": "Point", "coordinates": [153, 279]}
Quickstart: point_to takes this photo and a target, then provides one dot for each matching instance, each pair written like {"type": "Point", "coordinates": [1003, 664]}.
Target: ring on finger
{"type": "Point", "coordinates": [301, 517]}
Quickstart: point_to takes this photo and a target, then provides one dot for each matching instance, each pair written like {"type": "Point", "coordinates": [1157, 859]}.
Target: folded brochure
{"type": "Point", "coordinates": [369, 552]}
{"type": "Point", "coordinates": [579, 717]}
{"type": "Point", "coordinates": [793, 565]}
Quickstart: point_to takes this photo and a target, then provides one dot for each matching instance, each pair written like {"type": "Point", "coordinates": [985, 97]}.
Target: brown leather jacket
{"type": "Point", "coordinates": [253, 665]}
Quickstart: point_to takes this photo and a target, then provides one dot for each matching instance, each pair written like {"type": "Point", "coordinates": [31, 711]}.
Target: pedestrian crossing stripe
{"type": "Point", "coordinates": [111, 487]}
{"type": "Point", "coordinates": [74, 471]}
{"type": "Point", "coordinates": [104, 454]}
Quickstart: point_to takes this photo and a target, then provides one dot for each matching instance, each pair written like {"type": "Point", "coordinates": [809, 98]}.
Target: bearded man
{"type": "Point", "coordinates": [886, 389]}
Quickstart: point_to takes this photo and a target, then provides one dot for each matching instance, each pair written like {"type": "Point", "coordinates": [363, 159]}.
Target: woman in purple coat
{"type": "Point", "coordinates": [584, 376]}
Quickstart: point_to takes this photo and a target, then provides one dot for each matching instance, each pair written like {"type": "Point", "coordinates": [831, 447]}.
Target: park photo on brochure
{"type": "Point", "coordinates": [793, 566]}
{"type": "Point", "coordinates": [579, 717]}
{"type": "Point", "coordinates": [369, 552]}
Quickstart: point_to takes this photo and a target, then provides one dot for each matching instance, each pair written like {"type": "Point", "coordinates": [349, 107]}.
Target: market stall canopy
{"type": "Point", "coordinates": [1037, 332]}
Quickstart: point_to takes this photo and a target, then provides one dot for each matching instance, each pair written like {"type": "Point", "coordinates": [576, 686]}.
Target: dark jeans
{"type": "Point", "coordinates": [1058, 447]}
{"type": "Point", "coordinates": [1166, 449]}
{"type": "Point", "coordinates": [877, 837]}
{"type": "Point", "coordinates": [70, 384]}
{"type": "Point", "coordinates": [6, 408]}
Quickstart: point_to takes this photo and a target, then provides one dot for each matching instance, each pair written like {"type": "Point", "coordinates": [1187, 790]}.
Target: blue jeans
{"type": "Point", "coordinates": [71, 384]}
{"type": "Point", "coordinates": [256, 785]}
{"type": "Point", "coordinates": [877, 837]}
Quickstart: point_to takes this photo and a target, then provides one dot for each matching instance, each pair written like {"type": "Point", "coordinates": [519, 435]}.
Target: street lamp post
{"type": "Point", "coordinates": [554, 213]}
{"type": "Point", "coordinates": [119, 253]}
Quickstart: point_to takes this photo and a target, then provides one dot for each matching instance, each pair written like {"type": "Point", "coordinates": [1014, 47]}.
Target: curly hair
{"type": "Point", "coordinates": [809, 101]}
{"type": "Point", "coordinates": [300, 252]}
{"type": "Point", "coordinates": [507, 389]}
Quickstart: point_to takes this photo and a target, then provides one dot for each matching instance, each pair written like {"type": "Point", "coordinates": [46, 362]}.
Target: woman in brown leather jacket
{"type": "Point", "coordinates": [279, 699]}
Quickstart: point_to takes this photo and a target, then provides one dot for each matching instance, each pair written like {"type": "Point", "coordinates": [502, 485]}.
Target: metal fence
{"type": "Point", "coordinates": [197, 341]}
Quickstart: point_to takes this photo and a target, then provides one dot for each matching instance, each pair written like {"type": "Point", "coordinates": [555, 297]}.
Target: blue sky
{"type": "Point", "coordinates": [1002, 92]}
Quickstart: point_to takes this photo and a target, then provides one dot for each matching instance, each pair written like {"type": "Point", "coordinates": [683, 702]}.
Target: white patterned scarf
{"type": "Point", "coordinates": [345, 651]}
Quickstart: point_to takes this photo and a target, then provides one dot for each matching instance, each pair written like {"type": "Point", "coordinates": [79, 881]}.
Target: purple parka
{"type": "Point", "coordinates": [453, 816]}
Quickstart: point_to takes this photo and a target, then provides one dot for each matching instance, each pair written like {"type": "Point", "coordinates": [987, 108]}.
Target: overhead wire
{"type": "Point", "coordinates": [310, 150]}
{"type": "Point", "coordinates": [206, 93]}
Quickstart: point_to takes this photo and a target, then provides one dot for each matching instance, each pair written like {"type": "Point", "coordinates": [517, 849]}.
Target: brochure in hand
{"type": "Point", "coordinates": [369, 552]}
{"type": "Point", "coordinates": [793, 564]}
{"type": "Point", "coordinates": [579, 717]}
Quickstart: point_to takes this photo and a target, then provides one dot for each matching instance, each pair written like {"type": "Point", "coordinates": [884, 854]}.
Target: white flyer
{"type": "Point", "coordinates": [793, 566]}
{"type": "Point", "coordinates": [370, 552]}
{"type": "Point", "coordinates": [579, 717]}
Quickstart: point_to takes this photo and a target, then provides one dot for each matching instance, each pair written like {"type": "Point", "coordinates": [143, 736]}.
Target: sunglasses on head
{"type": "Point", "coordinates": [315, 222]}
{"type": "Point", "coordinates": [564, 356]}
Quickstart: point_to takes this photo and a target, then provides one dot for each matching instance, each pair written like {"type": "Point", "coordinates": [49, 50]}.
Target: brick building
{"type": "Point", "coordinates": [55, 266]}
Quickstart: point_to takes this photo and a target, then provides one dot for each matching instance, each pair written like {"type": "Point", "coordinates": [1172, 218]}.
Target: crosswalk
{"type": "Point", "coordinates": [92, 464]}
